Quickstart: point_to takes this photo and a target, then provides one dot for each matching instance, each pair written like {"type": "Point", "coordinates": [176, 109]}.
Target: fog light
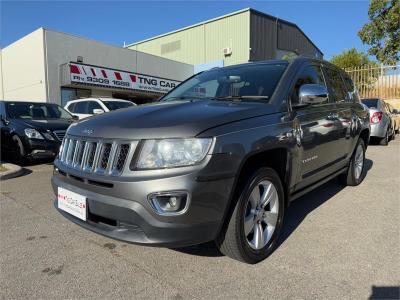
{"type": "Point", "coordinates": [169, 203]}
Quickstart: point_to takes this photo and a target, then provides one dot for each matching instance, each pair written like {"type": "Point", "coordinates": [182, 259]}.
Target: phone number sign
{"type": "Point", "coordinates": [86, 74]}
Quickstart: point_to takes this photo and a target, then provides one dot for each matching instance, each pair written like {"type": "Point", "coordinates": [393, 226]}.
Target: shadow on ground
{"type": "Point", "coordinates": [295, 214]}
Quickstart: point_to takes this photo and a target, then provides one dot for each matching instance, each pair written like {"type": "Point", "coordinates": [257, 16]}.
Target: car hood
{"type": "Point", "coordinates": [168, 119]}
{"type": "Point", "coordinates": [45, 124]}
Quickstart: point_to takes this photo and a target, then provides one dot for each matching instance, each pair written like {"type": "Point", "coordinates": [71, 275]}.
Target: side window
{"type": "Point", "coordinates": [336, 85]}
{"type": "Point", "coordinates": [71, 107]}
{"type": "Point", "coordinates": [351, 94]}
{"type": "Point", "coordinates": [80, 107]}
{"type": "Point", "coordinates": [309, 75]}
{"type": "Point", "coordinates": [386, 106]}
{"type": "Point", "coordinates": [91, 106]}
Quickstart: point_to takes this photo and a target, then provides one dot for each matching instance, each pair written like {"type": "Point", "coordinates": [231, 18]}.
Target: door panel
{"type": "Point", "coordinates": [341, 93]}
{"type": "Point", "coordinates": [318, 143]}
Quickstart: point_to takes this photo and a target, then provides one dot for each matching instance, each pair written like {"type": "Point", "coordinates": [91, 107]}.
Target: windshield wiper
{"type": "Point", "coordinates": [183, 98]}
{"type": "Point", "coordinates": [241, 98]}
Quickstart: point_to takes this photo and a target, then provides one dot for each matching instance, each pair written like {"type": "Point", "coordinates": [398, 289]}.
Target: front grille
{"type": "Point", "coordinates": [96, 156]}
{"type": "Point", "coordinates": [60, 134]}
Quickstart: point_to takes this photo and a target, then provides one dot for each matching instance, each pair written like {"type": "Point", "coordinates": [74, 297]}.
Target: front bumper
{"type": "Point", "coordinates": [37, 149]}
{"type": "Point", "coordinates": [119, 208]}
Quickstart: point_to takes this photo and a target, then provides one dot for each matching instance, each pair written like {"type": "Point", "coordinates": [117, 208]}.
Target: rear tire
{"type": "Point", "coordinates": [385, 140]}
{"type": "Point", "coordinates": [355, 173]}
{"type": "Point", "coordinates": [251, 234]}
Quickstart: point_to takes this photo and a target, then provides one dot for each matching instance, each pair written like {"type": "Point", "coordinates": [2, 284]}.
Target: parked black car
{"type": "Point", "coordinates": [218, 158]}
{"type": "Point", "coordinates": [31, 130]}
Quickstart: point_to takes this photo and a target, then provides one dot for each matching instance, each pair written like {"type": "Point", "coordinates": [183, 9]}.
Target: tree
{"type": "Point", "coordinates": [289, 56]}
{"type": "Point", "coordinates": [350, 59]}
{"type": "Point", "coordinates": [382, 32]}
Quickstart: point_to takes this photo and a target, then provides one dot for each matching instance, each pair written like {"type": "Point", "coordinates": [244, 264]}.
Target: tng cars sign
{"type": "Point", "coordinates": [92, 75]}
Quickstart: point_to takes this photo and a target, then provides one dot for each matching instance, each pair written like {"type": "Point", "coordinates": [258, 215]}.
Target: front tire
{"type": "Point", "coordinates": [20, 155]}
{"type": "Point", "coordinates": [355, 172]}
{"type": "Point", "coordinates": [252, 231]}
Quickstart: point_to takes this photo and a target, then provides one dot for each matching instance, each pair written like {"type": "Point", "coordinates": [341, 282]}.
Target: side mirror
{"type": "Point", "coordinates": [98, 111]}
{"type": "Point", "coordinates": [313, 94]}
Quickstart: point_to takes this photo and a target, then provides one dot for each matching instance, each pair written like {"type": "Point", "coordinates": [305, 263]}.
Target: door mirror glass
{"type": "Point", "coordinates": [98, 111]}
{"type": "Point", "coordinates": [312, 94]}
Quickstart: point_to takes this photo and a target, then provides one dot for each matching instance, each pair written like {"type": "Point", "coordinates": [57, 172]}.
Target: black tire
{"type": "Point", "coordinates": [20, 154]}
{"type": "Point", "coordinates": [232, 241]}
{"type": "Point", "coordinates": [349, 178]}
{"type": "Point", "coordinates": [385, 140]}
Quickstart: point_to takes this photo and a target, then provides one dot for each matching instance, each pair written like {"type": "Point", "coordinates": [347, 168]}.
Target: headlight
{"type": "Point", "coordinates": [170, 153]}
{"type": "Point", "coordinates": [33, 134]}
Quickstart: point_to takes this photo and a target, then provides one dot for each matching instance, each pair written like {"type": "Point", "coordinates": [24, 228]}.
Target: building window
{"type": "Point", "coordinates": [68, 94]}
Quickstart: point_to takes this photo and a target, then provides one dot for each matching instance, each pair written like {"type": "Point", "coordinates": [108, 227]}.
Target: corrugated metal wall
{"type": "Point", "coordinates": [262, 37]}
{"type": "Point", "coordinates": [263, 41]}
{"type": "Point", "coordinates": [205, 42]}
{"type": "Point", "coordinates": [292, 39]}
{"type": "Point", "coordinates": [251, 35]}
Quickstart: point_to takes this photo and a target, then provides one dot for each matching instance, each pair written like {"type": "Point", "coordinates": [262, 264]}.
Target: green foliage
{"type": "Point", "coordinates": [382, 33]}
{"type": "Point", "coordinates": [350, 59]}
{"type": "Point", "coordinates": [289, 56]}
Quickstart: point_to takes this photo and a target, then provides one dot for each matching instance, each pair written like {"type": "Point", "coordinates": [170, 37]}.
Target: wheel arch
{"type": "Point", "coordinates": [278, 159]}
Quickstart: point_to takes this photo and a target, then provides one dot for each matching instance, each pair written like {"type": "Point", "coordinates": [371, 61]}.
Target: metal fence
{"type": "Point", "coordinates": [377, 81]}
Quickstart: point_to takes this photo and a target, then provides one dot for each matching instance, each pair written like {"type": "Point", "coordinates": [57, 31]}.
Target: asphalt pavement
{"type": "Point", "coordinates": [338, 243]}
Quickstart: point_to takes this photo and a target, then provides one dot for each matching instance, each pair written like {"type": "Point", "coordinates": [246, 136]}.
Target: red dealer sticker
{"type": "Point", "coordinates": [74, 69]}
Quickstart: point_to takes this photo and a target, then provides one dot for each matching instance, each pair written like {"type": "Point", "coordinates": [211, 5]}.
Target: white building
{"type": "Point", "coordinates": [56, 67]}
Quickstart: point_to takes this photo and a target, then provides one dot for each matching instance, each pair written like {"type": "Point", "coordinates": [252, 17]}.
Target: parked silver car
{"type": "Point", "coordinates": [382, 126]}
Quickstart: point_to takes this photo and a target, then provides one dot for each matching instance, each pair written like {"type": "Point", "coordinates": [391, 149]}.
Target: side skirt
{"type": "Point", "coordinates": [305, 190]}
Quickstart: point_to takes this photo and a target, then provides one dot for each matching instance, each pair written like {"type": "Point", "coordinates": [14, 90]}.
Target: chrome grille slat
{"type": "Point", "coordinates": [71, 150]}
{"type": "Point", "coordinates": [85, 155]}
{"type": "Point", "coordinates": [111, 158]}
{"type": "Point", "coordinates": [95, 156]}
{"type": "Point", "coordinates": [76, 150]}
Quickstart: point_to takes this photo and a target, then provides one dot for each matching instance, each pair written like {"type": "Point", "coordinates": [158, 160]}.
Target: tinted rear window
{"type": "Point", "coordinates": [114, 105]}
{"type": "Point", "coordinates": [370, 102]}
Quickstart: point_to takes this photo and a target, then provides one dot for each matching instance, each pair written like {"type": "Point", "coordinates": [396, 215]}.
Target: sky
{"type": "Point", "coordinates": [331, 25]}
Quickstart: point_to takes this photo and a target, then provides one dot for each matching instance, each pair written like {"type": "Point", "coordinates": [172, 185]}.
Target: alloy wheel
{"type": "Point", "coordinates": [358, 162]}
{"type": "Point", "coordinates": [261, 214]}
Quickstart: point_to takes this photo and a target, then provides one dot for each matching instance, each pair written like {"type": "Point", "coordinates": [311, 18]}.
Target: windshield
{"type": "Point", "coordinates": [113, 105]}
{"type": "Point", "coordinates": [370, 102]}
{"type": "Point", "coordinates": [248, 82]}
{"type": "Point", "coordinates": [25, 110]}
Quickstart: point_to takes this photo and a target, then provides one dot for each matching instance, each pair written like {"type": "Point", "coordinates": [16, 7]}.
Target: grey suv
{"type": "Point", "coordinates": [218, 158]}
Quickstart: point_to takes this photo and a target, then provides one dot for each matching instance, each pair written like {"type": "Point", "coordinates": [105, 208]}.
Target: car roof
{"type": "Point", "coordinates": [99, 99]}
{"type": "Point", "coordinates": [297, 60]}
